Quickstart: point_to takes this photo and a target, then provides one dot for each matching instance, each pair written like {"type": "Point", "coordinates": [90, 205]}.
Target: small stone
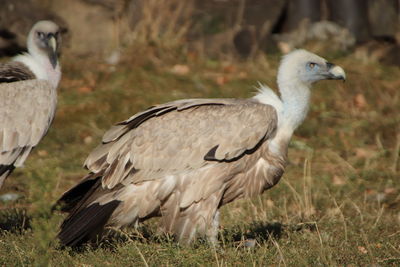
{"type": "Point", "coordinates": [250, 243]}
{"type": "Point", "coordinates": [9, 197]}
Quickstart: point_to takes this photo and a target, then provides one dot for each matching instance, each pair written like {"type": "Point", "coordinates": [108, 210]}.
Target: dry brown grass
{"type": "Point", "coordinates": [163, 23]}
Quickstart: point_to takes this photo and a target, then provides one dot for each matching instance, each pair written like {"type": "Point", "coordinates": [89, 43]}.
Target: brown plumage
{"type": "Point", "coordinates": [182, 161]}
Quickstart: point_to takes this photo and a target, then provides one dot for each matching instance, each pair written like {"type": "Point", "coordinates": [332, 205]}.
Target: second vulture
{"type": "Point", "coordinates": [28, 96]}
{"type": "Point", "coordinates": [183, 160]}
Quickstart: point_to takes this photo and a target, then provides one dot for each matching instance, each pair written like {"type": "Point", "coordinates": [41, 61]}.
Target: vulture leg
{"type": "Point", "coordinates": [170, 213]}
{"type": "Point", "coordinates": [212, 233]}
{"type": "Point", "coordinates": [198, 219]}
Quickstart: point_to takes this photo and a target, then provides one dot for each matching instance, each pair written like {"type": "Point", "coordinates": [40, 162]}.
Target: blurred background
{"type": "Point", "coordinates": [340, 194]}
{"type": "Point", "coordinates": [212, 28]}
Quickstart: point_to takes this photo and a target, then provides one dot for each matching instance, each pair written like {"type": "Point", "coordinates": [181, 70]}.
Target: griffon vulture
{"type": "Point", "coordinates": [183, 160]}
{"type": "Point", "coordinates": [28, 96]}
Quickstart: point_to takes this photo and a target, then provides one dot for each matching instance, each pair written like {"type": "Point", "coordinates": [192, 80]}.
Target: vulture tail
{"type": "Point", "coordinates": [87, 218]}
{"type": "Point", "coordinates": [71, 199]}
{"type": "Point", "coordinates": [5, 171]}
{"type": "Point", "coordinates": [86, 224]}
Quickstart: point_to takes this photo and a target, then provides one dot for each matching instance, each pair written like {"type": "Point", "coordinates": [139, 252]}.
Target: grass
{"type": "Point", "coordinates": [337, 204]}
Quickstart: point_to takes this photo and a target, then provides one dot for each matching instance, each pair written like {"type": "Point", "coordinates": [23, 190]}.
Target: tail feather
{"type": "Point", "coordinates": [86, 224]}
{"type": "Point", "coordinates": [11, 159]}
{"type": "Point", "coordinates": [5, 171]}
{"type": "Point", "coordinates": [69, 200]}
{"type": "Point", "coordinates": [87, 217]}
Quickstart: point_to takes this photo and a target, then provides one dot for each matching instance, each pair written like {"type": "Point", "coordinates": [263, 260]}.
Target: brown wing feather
{"type": "Point", "coordinates": [15, 71]}
{"type": "Point", "coordinates": [26, 111]}
{"type": "Point", "coordinates": [181, 136]}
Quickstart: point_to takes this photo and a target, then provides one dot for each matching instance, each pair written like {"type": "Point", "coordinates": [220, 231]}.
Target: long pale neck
{"type": "Point", "coordinates": [295, 96]}
{"type": "Point", "coordinates": [295, 102]}
{"type": "Point", "coordinates": [53, 74]}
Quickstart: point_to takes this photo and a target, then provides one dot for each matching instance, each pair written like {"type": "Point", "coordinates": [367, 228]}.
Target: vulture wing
{"type": "Point", "coordinates": [15, 71]}
{"type": "Point", "coordinates": [26, 111]}
{"type": "Point", "coordinates": [180, 136]}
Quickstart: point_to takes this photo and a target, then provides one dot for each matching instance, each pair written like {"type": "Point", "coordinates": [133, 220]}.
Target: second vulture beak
{"type": "Point", "coordinates": [52, 51]}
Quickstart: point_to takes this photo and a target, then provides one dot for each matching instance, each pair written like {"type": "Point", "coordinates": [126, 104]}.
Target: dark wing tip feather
{"type": "Point", "coordinates": [9, 79]}
{"type": "Point", "coordinates": [211, 153]}
{"type": "Point", "coordinates": [86, 224]}
{"type": "Point", "coordinates": [6, 168]}
{"type": "Point", "coordinates": [72, 197]}
{"type": "Point", "coordinates": [14, 72]}
{"type": "Point", "coordinates": [119, 129]}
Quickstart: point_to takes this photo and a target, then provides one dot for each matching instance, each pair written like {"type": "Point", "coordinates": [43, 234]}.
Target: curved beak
{"type": "Point", "coordinates": [335, 72]}
{"type": "Point", "coordinates": [52, 51]}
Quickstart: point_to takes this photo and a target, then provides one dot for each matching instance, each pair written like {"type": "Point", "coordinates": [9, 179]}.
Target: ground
{"type": "Point", "coordinates": [337, 204]}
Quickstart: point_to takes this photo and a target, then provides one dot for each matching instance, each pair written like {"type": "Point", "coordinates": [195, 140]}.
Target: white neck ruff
{"type": "Point", "coordinates": [40, 66]}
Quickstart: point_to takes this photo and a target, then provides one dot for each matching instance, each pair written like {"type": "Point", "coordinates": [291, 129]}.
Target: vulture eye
{"type": "Point", "coordinates": [312, 65]}
{"type": "Point", "coordinates": [40, 35]}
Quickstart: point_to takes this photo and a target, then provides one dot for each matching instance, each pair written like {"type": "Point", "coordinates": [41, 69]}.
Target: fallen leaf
{"type": "Point", "coordinates": [87, 140]}
{"type": "Point", "coordinates": [333, 211]}
{"type": "Point", "coordinates": [337, 180]}
{"type": "Point", "coordinates": [331, 131]}
{"type": "Point", "coordinates": [310, 211]}
{"type": "Point", "coordinates": [229, 68]}
{"type": "Point", "coordinates": [360, 101]}
{"type": "Point", "coordinates": [42, 153]}
{"type": "Point", "coordinates": [364, 153]}
{"type": "Point", "coordinates": [370, 191]}
{"type": "Point", "coordinates": [242, 75]}
{"type": "Point", "coordinates": [284, 47]}
{"type": "Point", "coordinates": [192, 55]}
{"type": "Point", "coordinates": [270, 203]}
{"type": "Point", "coordinates": [85, 89]}
{"type": "Point", "coordinates": [390, 190]}
{"type": "Point", "coordinates": [362, 250]}
{"type": "Point", "coordinates": [221, 80]}
{"type": "Point", "coordinates": [180, 69]}
{"type": "Point", "coordinates": [90, 79]}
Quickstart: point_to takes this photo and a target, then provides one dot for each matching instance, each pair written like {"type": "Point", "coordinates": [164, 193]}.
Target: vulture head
{"type": "Point", "coordinates": [303, 67]}
{"type": "Point", "coordinates": [44, 40]}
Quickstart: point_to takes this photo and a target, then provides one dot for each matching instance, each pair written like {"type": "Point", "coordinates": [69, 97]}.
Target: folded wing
{"type": "Point", "coordinates": [180, 136]}
{"type": "Point", "coordinates": [26, 111]}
